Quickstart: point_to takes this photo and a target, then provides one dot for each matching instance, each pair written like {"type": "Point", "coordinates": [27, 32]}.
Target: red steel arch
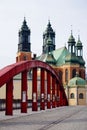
{"type": "Point", "coordinates": [7, 74]}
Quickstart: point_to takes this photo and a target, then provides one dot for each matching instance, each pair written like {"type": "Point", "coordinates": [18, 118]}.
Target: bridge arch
{"type": "Point", "coordinates": [57, 91]}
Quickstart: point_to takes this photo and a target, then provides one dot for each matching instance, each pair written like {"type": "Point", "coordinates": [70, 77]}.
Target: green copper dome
{"type": "Point", "coordinates": [71, 39]}
{"type": "Point", "coordinates": [71, 58]}
{"type": "Point", "coordinates": [81, 61]}
{"type": "Point", "coordinates": [50, 59]}
{"type": "Point", "coordinates": [77, 81]}
{"type": "Point", "coordinates": [79, 43]}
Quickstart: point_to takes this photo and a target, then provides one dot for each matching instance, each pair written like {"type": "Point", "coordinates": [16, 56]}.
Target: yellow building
{"type": "Point", "coordinates": [76, 91]}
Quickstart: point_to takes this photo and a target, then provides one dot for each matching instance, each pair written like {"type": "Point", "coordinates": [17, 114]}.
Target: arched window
{"type": "Point", "coordinates": [25, 58]}
{"type": "Point", "coordinates": [73, 48]}
{"type": "Point", "coordinates": [60, 74]}
{"type": "Point", "coordinates": [81, 96]}
{"type": "Point", "coordinates": [80, 74]}
{"type": "Point", "coordinates": [72, 96]}
{"type": "Point", "coordinates": [83, 76]}
{"type": "Point", "coordinates": [66, 75]}
{"type": "Point", "coordinates": [73, 73]}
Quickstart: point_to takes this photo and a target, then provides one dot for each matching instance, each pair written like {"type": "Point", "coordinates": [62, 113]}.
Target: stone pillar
{"type": "Point", "coordinates": [58, 98]}
{"type": "Point", "coordinates": [76, 95]}
{"type": "Point", "coordinates": [9, 97]}
{"type": "Point", "coordinates": [61, 96]}
{"type": "Point", "coordinates": [24, 92]}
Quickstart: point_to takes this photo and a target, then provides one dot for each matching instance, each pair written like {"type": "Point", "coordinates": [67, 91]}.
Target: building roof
{"type": "Point", "coordinates": [49, 29]}
{"type": "Point", "coordinates": [60, 57]}
{"type": "Point", "coordinates": [79, 43]}
{"type": "Point", "coordinates": [56, 57]}
{"type": "Point", "coordinates": [71, 58]}
{"type": "Point", "coordinates": [77, 81]}
{"type": "Point", "coordinates": [48, 58]}
{"type": "Point", "coordinates": [24, 26]}
{"type": "Point", "coordinates": [71, 39]}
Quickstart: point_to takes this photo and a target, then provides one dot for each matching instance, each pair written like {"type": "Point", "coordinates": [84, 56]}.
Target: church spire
{"type": "Point", "coordinates": [24, 45]}
{"type": "Point", "coordinates": [71, 43]}
{"type": "Point", "coordinates": [79, 47]}
{"type": "Point", "coordinates": [24, 38]}
{"type": "Point", "coordinates": [48, 39]}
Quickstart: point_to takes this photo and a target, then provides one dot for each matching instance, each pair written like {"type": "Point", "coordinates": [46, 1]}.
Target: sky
{"type": "Point", "coordinates": [64, 15]}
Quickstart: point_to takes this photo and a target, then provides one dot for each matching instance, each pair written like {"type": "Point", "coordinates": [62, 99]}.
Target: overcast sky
{"type": "Point", "coordinates": [61, 13]}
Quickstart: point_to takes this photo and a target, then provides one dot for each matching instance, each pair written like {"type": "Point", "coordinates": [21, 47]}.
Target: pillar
{"type": "Point", "coordinates": [58, 98]}
{"type": "Point", "coordinates": [77, 95]}
{"type": "Point", "coordinates": [34, 90]}
{"type": "Point", "coordinates": [61, 96]}
{"type": "Point", "coordinates": [9, 97]}
{"type": "Point", "coordinates": [24, 92]}
{"type": "Point", "coordinates": [48, 90]}
{"type": "Point", "coordinates": [42, 104]}
{"type": "Point", "coordinates": [53, 92]}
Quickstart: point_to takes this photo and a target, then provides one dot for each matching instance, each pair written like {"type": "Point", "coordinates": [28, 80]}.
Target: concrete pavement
{"type": "Point", "coordinates": [62, 118]}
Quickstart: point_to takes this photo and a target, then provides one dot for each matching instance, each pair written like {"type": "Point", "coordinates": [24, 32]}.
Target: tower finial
{"type": "Point", "coordinates": [24, 18]}
{"type": "Point", "coordinates": [48, 19]}
{"type": "Point", "coordinates": [78, 34]}
{"type": "Point", "coordinates": [49, 24]}
{"type": "Point", "coordinates": [71, 30]}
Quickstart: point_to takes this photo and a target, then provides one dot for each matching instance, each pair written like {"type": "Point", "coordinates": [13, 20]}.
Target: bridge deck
{"type": "Point", "coordinates": [62, 118]}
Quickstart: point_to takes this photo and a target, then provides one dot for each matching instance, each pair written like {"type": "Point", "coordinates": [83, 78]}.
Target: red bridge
{"type": "Point", "coordinates": [56, 92]}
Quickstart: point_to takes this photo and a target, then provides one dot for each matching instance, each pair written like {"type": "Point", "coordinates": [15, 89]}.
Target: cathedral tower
{"type": "Point", "coordinates": [79, 47]}
{"type": "Point", "coordinates": [48, 39]}
{"type": "Point", "coordinates": [24, 45]}
{"type": "Point", "coordinates": [71, 44]}
{"type": "Point", "coordinates": [79, 51]}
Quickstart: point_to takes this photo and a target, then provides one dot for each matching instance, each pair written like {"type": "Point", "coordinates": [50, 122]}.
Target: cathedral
{"type": "Point", "coordinates": [67, 62]}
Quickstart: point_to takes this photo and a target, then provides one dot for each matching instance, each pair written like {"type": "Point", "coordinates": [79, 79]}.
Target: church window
{"type": "Point", "coordinates": [73, 73]}
{"type": "Point", "coordinates": [79, 73]}
{"type": "Point", "coordinates": [79, 53]}
{"type": "Point", "coordinates": [81, 96]}
{"type": "Point", "coordinates": [69, 49]}
{"type": "Point", "coordinates": [49, 49]}
{"type": "Point", "coordinates": [73, 49]}
{"type": "Point", "coordinates": [72, 96]}
{"type": "Point", "coordinates": [60, 74]}
{"type": "Point", "coordinates": [25, 58]}
{"type": "Point", "coordinates": [66, 75]}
